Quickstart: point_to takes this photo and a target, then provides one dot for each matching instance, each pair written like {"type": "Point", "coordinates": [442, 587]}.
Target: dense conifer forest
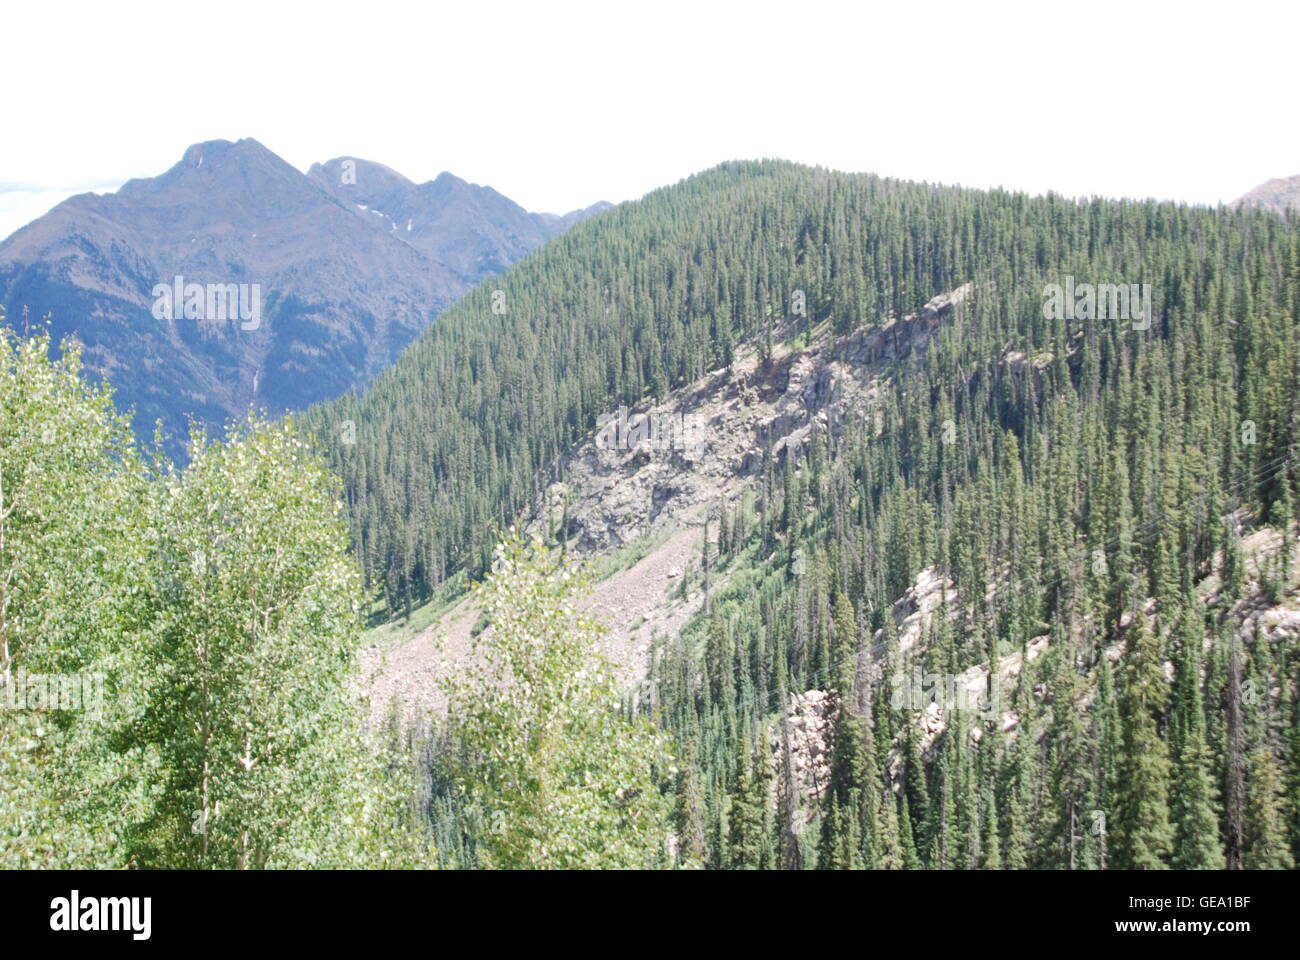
{"type": "Point", "coordinates": [1106, 504]}
{"type": "Point", "coordinates": [1096, 493]}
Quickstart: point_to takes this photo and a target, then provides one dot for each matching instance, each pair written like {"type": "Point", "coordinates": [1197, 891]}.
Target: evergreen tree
{"type": "Point", "coordinates": [1142, 834]}
{"type": "Point", "coordinates": [1267, 846]}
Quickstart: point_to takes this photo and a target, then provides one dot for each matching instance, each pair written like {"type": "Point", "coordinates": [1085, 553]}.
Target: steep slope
{"type": "Point", "coordinates": [639, 512]}
{"type": "Point", "coordinates": [465, 431]}
{"type": "Point", "coordinates": [925, 483]}
{"type": "Point", "coordinates": [337, 298]}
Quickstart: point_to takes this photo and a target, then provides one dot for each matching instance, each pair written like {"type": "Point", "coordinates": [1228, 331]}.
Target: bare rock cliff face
{"type": "Point", "coordinates": [614, 493]}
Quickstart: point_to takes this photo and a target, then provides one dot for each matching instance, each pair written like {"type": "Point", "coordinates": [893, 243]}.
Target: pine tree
{"type": "Point", "coordinates": [690, 813]}
{"type": "Point", "coordinates": [991, 844]}
{"type": "Point", "coordinates": [1267, 846]}
{"type": "Point", "coordinates": [749, 797]}
{"type": "Point", "coordinates": [1194, 808]}
{"type": "Point", "coordinates": [1142, 834]}
{"type": "Point", "coordinates": [892, 855]}
{"type": "Point", "coordinates": [1015, 830]}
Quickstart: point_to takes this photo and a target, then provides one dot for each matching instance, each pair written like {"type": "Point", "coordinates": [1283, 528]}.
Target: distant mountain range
{"type": "Point", "coordinates": [472, 230]}
{"type": "Point", "coordinates": [344, 265]}
{"type": "Point", "coordinates": [1278, 195]}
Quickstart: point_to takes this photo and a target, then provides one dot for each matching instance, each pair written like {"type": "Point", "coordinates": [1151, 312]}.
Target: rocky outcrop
{"type": "Point", "coordinates": [808, 726]}
{"type": "Point", "coordinates": [623, 485]}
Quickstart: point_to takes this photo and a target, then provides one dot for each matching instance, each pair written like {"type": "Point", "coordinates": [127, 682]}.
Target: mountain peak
{"type": "Point", "coordinates": [1279, 195]}
{"type": "Point", "coordinates": [472, 229]}
{"type": "Point", "coordinates": [213, 168]}
{"type": "Point", "coordinates": [352, 260]}
{"type": "Point", "coordinates": [244, 148]}
{"type": "Point", "coordinates": [447, 184]}
{"type": "Point", "coordinates": [367, 176]}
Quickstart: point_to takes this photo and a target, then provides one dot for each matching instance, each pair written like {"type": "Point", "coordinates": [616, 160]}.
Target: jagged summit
{"type": "Point", "coordinates": [472, 229]}
{"type": "Point", "coordinates": [352, 260]}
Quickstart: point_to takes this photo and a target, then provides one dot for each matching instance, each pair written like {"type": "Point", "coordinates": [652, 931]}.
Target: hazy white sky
{"type": "Point", "coordinates": [560, 104]}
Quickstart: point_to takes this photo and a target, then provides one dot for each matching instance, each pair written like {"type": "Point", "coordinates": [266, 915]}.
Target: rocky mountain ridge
{"type": "Point", "coordinates": [338, 292]}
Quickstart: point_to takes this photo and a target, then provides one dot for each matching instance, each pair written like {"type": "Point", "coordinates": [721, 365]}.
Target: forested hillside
{"type": "Point", "coordinates": [459, 435]}
{"type": "Point", "coordinates": [1128, 572]}
{"type": "Point", "coordinates": [1081, 489]}
{"type": "Point", "coordinates": [1022, 594]}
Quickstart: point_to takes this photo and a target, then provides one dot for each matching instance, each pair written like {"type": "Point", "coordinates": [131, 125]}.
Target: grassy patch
{"type": "Point", "coordinates": [396, 632]}
{"type": "Point", "coordinates": [628, 555]}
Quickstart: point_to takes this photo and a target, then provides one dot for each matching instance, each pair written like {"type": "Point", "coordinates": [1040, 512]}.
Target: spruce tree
{"type": "Point", "coordinates": [1267, 844]}
{"type": "Point", "coordinates": [1141, 831]}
